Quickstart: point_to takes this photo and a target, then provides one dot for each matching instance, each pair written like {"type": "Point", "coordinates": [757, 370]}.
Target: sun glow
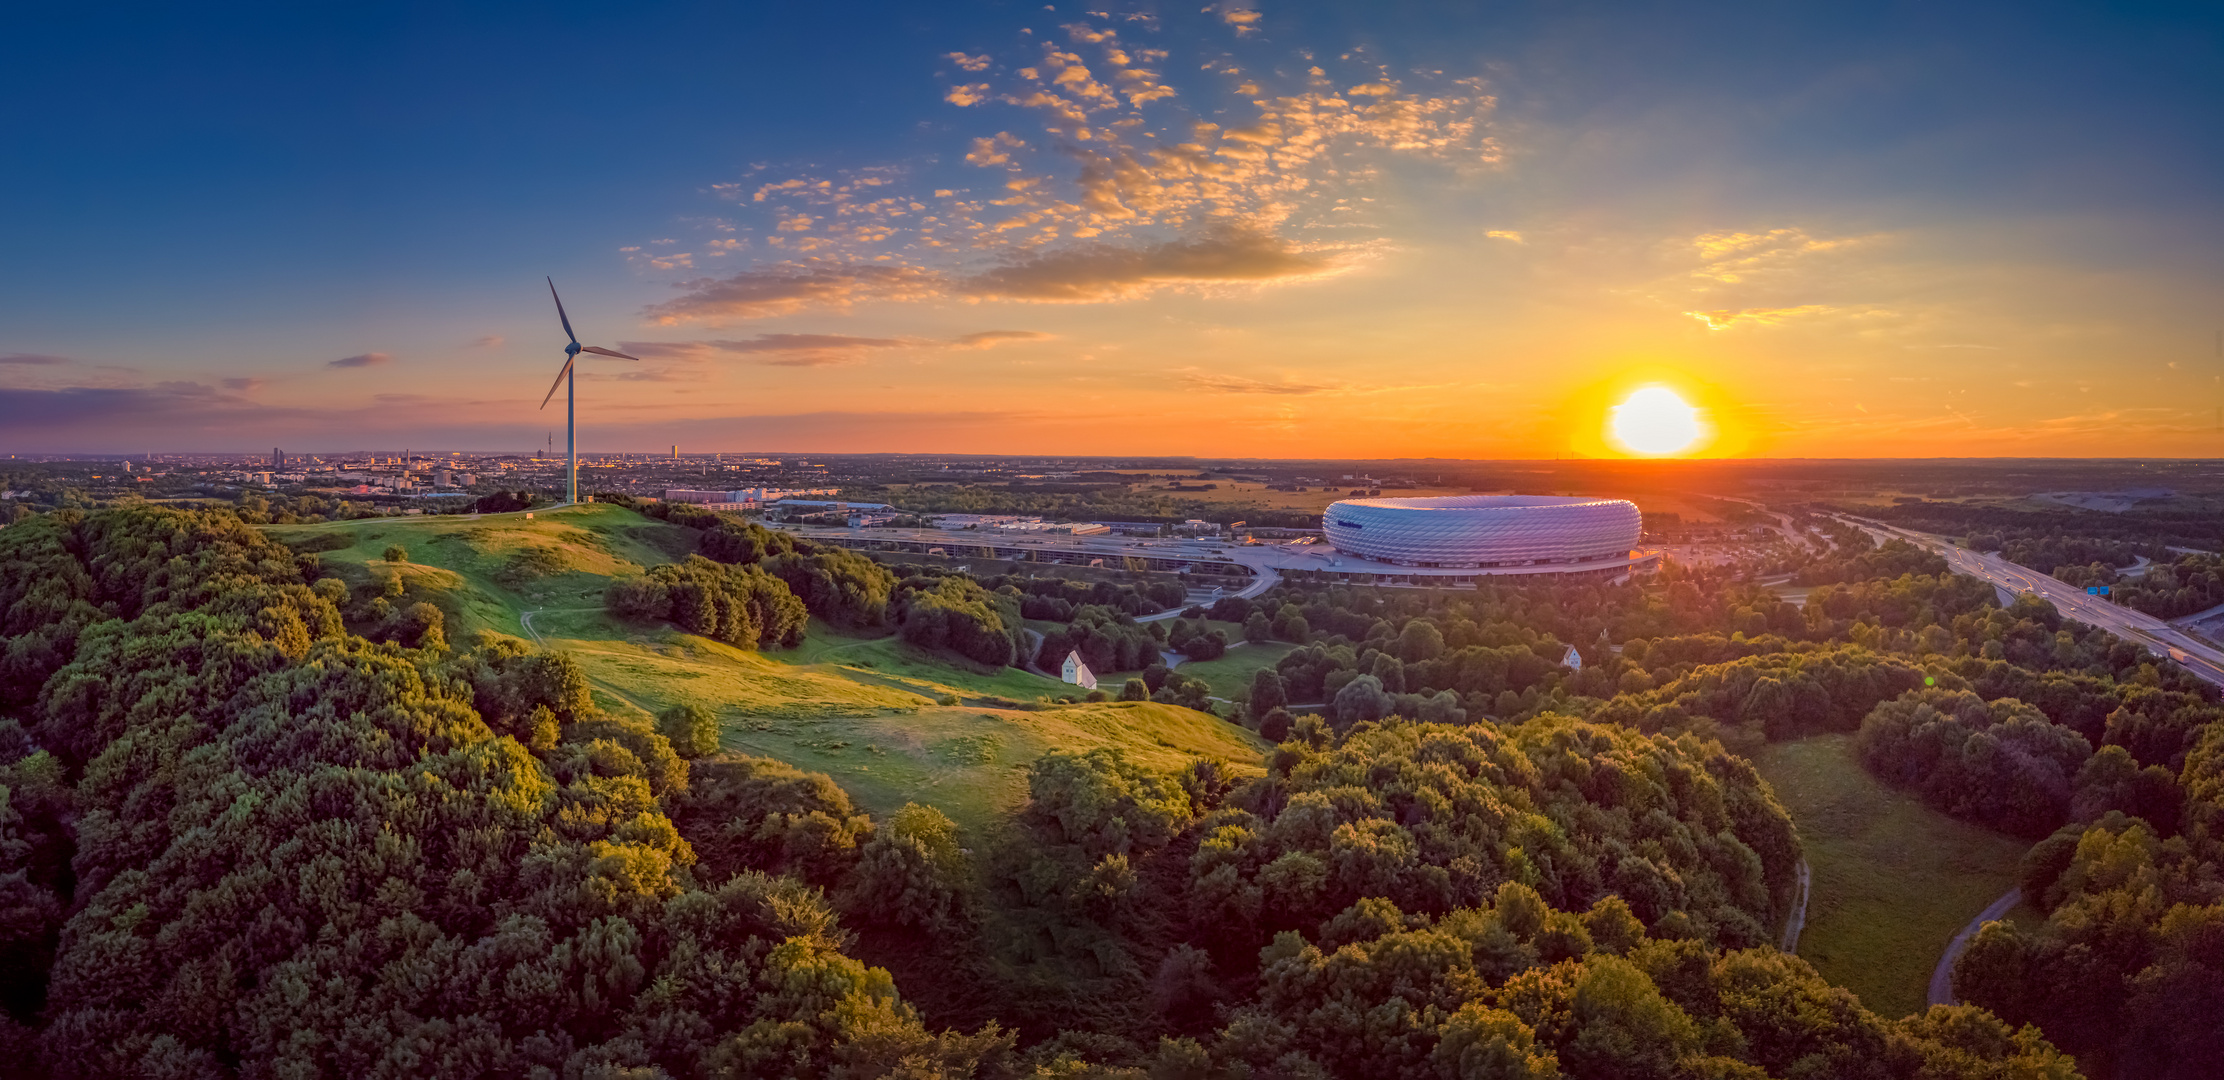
{"type": "Point", "coordinates": [1655, 421]}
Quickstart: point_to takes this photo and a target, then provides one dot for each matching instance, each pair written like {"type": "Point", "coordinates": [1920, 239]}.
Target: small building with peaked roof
{"type": "Point", "coordinates": [1078, 673]}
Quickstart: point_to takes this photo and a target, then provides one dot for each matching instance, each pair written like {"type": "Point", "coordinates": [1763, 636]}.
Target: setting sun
{"type": "Point", "coordinates": [1655, 420]}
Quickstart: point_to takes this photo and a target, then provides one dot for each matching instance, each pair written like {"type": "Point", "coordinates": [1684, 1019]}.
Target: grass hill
{"type": "Point", "coordinates": [890, 722]}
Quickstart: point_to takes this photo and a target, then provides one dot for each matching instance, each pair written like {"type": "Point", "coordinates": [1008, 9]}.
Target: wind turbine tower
{"type": "Point", "coordinates": [565, 379]}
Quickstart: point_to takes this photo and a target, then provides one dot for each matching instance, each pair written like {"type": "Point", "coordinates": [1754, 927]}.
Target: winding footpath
{"type": "Point", "coordinates": [1797, 920]}
{"type": "Point", "coordinates": [1942, 979]}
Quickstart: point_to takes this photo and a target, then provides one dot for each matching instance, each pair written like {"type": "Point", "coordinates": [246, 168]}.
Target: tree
{"type": "Point", "coordinates": [1258, 628]}
{"type": "Point", "coordinates": [911, 873]}
{"type": "Point", "coordinates": [691, 729]}
{"type": "Point", "coordinates": [395, 553]}
{"type": "Point", "coordinates": [1135, 690]}
{"type": "Point", "coordinates": [1360, 700]}
{"type": "Point", "coordinates": [1267, 692]}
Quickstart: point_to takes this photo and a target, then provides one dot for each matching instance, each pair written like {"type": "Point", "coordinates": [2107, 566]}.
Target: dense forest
{"type": "Point", "coordinates": [251, 824]}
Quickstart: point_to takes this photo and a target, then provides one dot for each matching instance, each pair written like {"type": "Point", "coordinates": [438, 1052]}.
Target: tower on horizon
{"type": "Point", "coordinates": [277, 458]}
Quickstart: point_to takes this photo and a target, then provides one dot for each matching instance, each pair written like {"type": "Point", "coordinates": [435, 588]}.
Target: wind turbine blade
{"type": "Point", "coordinates": [600, 351]}
{"type": "Point", "coordinates": [560, 311]}
{"type": "Point", "coordinates": [559, 381]}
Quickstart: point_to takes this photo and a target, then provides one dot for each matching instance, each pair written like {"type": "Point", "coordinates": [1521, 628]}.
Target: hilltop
{"type": "Point", "coordinates": [890, 722]}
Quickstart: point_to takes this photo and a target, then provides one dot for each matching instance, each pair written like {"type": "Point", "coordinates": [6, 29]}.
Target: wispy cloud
{"type": "Point", "coordinates": [1725, 318]}
{"type": "Point", "coordinates": [1237, 384]}
{"type": "Point", "coordinates": [786, 343]}
{"type": "Point", "coordinates": [491, 341]}
{"type": "Point", "coordinates": [369, 359]}
{"type": "Point", "coordinates": [32, 359]}
{"type": "Point", "coordinates": [244, 385]}
{"type": "Point", "coordinates": [1105, 272]}
{"type": "Point", "coordinates": [989, 339]}
{"type": "Point", "coordinates": [1084, 273]}
{"type": "Point", "coordinates": [785, 289]}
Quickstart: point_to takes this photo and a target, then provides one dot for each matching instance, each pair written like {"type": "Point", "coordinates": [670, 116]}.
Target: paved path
{"type": "Point", "coordinates": [1942, 979]}
{"type": "Point", "coordinates": [1797, 920]}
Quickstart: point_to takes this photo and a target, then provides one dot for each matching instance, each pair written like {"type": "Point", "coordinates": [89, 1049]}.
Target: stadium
{"type": "Point", "coordinates": [1483, 531]}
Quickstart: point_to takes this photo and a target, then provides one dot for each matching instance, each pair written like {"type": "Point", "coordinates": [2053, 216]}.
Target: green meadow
{"type": "Point", "coordinates": [1893, 879]}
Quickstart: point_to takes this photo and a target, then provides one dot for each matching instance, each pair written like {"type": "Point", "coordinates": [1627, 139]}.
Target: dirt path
{"type": "Point", "coordinates": [1797, 920]}
{"type": "Point", "coordinates": [1942, 979]}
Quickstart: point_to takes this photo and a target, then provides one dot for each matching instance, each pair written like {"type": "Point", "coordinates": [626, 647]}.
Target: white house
{"type": "Point", "coordinates": [1078, 673]}
{"type": "Point", "coordinates": [1571, 659]}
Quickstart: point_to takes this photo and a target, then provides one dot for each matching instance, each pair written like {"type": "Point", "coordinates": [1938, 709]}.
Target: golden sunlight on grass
{"type": "Point", "coordinates": [1655, 421]}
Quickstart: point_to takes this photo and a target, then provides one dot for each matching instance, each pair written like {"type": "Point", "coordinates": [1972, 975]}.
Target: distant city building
{"type": "Point", "coordinates": [1196, 527]}
{"type": "Point", "coordinates": [277, 458]}
{"type": "Point", "coordinates": [1134, 528]}
{"type": "Point", "coordinates": [443, 478]}
{"type": "Point", "coordinates": [1078, 673]}
{"type": "Point", "coordinates": [736, 499]}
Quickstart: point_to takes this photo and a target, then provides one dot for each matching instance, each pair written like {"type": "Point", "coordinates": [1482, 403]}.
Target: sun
{"type": "Point", "coordinates": [1654, 421]}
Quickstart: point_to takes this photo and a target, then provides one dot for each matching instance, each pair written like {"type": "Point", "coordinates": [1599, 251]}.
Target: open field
{"type": "Point", "coordinates": [1893, 879]}
{"type": "Point", "coordinates": [891, 723]}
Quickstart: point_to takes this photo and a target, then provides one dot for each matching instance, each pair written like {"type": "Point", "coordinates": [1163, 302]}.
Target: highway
{"type": "Point", "coordinates": [2191, 653]}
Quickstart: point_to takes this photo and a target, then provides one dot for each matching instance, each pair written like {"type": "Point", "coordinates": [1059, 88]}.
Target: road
{"type": "Point", "coordinates": [2199, 657]}
{"type": "Point", "coordinates": [1942, 978]}
{"type": "Point", "coordinates": [1783, 523]}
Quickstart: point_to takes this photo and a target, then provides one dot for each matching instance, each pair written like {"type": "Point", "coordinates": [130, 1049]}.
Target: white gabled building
{"type": "Point", "coordinates": [1078, 673]}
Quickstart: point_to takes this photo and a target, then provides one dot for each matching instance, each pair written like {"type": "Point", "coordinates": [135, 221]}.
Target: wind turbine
{"type": "Point", "coordinates": [565, 379]}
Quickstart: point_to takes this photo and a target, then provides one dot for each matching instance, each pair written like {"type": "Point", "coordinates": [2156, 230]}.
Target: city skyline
{"type": "Point", "coordinates": [1259, 230]}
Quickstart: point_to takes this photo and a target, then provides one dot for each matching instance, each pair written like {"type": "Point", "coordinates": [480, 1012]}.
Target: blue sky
{"type": "Point", "coordinates": [1846, 229]}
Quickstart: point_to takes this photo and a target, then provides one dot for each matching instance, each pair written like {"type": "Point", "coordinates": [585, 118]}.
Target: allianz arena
{"type": "Point", "coordinates": [1484, 530]}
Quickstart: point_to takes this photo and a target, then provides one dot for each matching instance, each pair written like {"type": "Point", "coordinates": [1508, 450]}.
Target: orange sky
{"type": "Point", "coordinates": [1269, 233]}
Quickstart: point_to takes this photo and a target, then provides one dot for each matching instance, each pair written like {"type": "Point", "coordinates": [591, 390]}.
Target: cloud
{"type": "Point", "coordinates": [1726, 318]}
{"type": "Point", "coordinates": [369, 359]}
{"type": "Point", "coordinates": [491, 341]}
{"type": "Point", "coordinates": [780, 290]}
{"type": "Point", "coordinates": [165, 406]}
{"type": "Point", "coordinates": [786, 343]}
{"type": "Point", "coordinates": [1506, 234]}
{"type": "Point", "coordinates": [1240, 14]}
{"type": "Point", "coordinates": [693, 352]}
{"type": "Point", "coordinates": [1237, 384]}
{"type": "Point", "coordinates": [1109, 153]}
{"type": "Point", "coordinates": [32, 359]}
{"type": "Point", "coordinates": [1105, 272]}
{"type": "Point", "coordinates": [989, 339]}
{"type": "Point", "coordinates": [811, 359]}
{"type": "Point", "coordinates": [244, 385]}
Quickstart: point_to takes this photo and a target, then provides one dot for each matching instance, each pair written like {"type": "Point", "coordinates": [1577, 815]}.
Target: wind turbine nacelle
{"type": "Point", "coordinates": [572, 349]}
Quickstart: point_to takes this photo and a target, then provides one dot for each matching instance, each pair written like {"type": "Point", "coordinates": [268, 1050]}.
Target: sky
{"type": "Point", "coordinates": [1255, 229]}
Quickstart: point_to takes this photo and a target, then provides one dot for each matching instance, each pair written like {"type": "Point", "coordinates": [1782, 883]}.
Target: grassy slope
{"type": "Point", "coordinates": [864, 710]}
{"type": "Point", "coordinates": [1232, 672]}
{"type": "Point", "coordinates": [1893, 879]}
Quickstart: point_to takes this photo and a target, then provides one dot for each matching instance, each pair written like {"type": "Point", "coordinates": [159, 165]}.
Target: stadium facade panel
{"type": "Point", "coordinates": [1483, 530]}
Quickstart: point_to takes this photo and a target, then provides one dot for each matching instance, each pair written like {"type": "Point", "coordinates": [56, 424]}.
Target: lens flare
{"type": "Point", "coordinates": [1655, 421]}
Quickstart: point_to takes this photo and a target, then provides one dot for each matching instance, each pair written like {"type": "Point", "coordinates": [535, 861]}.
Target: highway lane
{"type": "Point", "coordinates": [2191, 653]}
